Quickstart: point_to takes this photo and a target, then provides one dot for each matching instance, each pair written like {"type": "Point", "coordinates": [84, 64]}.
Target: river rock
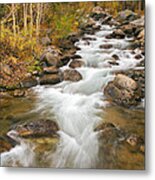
{"type": "Point", "coordinates": [136, 143]}
{"type": "Point", "coordinates": [50, 59]}
{"type": "Point", "coordinates": [71, 75]}
{"type": "Point", "coordinates": [38, 128]}
{"type": "Point", "coordinates": [118, 34]}
{"type": "Point", "coordinates": [109, 133]}
{"type": "Point", "coordinates": [129, 29]}
{"type": "Point", "coordinates": [6, 144]}
{"type": "Point", "coordinates": [138, 22]}
{"type": "Point", "coordinates": [19, 93]}
{"type": "Point", "coordinates": [50, 79]}
{"type": "Point", "coordinates": [106, 46]}
{"type": "Point", "coordinates": [123, 91]}
{"type": "Point", "coordinates": [73, 37]}
{"type": "Point", "coordinates": [76, 63]}
{"type": "Point", "coordinates": [115, 56]}
{"type": "Point", "coordinates": [50, 70]}
{"type": "Point", "coordinates": [127, 15]}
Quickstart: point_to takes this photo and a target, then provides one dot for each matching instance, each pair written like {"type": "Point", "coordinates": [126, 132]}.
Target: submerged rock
{"type": "Point", "coordinates": [71, 75]}
{"type": "Point", "coordinates": [106, 46]}
{"type": "Point", "coordinates": [123, 91]}
{"type": "Point", "coordinates": [109, 133]}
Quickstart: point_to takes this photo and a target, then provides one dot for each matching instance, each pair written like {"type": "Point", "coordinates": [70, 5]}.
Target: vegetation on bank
{"type": "Point", "coordinates": [23, 27]}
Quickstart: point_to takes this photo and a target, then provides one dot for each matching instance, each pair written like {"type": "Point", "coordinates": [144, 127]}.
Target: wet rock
{"type": "Point", "coordinates": [50, 70]}
{"type": "Point", "coordinates": [109, 133]}
{"type": "Point", "coordinates": [115, 56]}
{"type": "Point", "coordinates": [38, 128]}
{"type": "Point", "coordinates": [138, 22]}
{"type": "Point", "coordinates": [123, 91]}
{"type": "Point", "coordinates": [28, 82]}
{"type": "Point", "coordinates": [98, 16]}
{"type": "Point", "coordinates": [76, 56]}
{"type": "Point", "coordinates": [107, 20]}
{"type": "Point", "coordinates": [65, 59]}
{"type": "Point", "coordinates": [139, 77]}
{"type": "Point", "coordinates": [76, 63]}
{"type": "Point", "coordinates": [113, 62]}
{"type": "Point", "coordinates": [128, 29]}
{"type": "Point", "coordinates": [138, 56]}
{"type": "Point", "coordinates": [6, 144]}
{"type": "Point", "coordinates": [65, 44]}
{"type": "Point", "coordinates": [141, 35]}
{"type": "Point", "coordinates": [19, 93]}
{"type": "Point", "coordinates": [71, 75]}
{"type": "Point", "coordinates": [106, 46]}
{"type": "Point", "coordinates": [88, 39]}
{"type": "Point", "coordinates": [73, 37]}
{"type": "Point", "coordinates": [50, 79]}
{"type": "Point", "coordinates": [118, 34]}
{"type": "Point", "coordinates": [136, 143]}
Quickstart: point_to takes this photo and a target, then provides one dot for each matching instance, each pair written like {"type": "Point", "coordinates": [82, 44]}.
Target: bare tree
{"type": "Point", "coordinates": [13, 6]}
{"type": "Point", "coordinates": [25, 16]}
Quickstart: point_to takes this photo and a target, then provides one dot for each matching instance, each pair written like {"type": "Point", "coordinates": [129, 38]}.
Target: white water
{"type": "Point", "coordinates": [76, 106]}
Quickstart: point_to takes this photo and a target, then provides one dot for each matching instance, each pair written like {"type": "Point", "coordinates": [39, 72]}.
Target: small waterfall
{"type": "Point", "coordinates": [76, 106]}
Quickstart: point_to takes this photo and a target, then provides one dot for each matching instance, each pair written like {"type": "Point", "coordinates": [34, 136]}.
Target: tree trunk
{"type": "Point", "coordinates": [14, 19]}
{"type": "Point", "coordinates": [25, 17]}
{"type": "Point", "coordinates": [31, 20]}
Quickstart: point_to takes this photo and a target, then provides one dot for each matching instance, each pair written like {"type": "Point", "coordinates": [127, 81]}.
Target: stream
{"type": "Point", "coordinates": [78, 107]}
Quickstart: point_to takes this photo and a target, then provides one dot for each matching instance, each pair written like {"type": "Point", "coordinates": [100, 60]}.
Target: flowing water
{"type": "Point", "coordinates": [77, 107]}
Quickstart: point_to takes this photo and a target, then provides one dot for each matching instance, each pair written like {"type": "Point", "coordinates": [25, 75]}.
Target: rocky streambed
{"type": "Point", "coordinates": [85, 109]}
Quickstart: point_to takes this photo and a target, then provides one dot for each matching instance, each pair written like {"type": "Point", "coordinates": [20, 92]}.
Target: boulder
{"type": "Point", "coordinates": [50, 79]}
{"type": "Point", "coordinates": [138, 22]}
{"type": "Point", "coordinates": [51, 59]}
{"type": "Point", "coordinates": [50, 70]}
{"type": "Point", "coordinates": [127, 15]}
{"type": "Point", "coordinates": [118, 34]}
{"type": "Point", "coordinates": [19, 93]}
{"type": "Point", "coordinates": [109, 133]}
{"type": "Point", "coordinates": [6, 144]}
{"type": "Point", "coordinates": [128, 29]}
{"type": "Point", "coordinates": [123, 90]}
{"type": "Point", "coordinates": [76, 63]}
{"type": "Point", "coordinates": [36, 129]}
{"type": "Point", "coordinates": [71, 75]}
